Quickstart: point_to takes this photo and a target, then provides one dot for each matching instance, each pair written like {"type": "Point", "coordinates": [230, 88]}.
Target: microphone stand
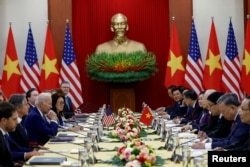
{"type": "Point", "coordinates": [177, 157]}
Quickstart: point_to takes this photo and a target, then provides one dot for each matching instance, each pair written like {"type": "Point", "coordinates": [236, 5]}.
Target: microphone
{"type": "Point", "coordinates": [168, 146]}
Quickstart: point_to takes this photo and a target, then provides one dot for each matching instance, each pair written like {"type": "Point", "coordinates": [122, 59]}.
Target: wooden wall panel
{"type": "Point", "coordinates": [182, 10]}
{"type": "Point", "coordinates": [58, 12]}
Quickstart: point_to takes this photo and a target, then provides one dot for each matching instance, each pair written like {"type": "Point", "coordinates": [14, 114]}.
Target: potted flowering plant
{"type": "Point", "coordinates": [127, 126]}
{"type": "Point", "coordinates": [136, 154]}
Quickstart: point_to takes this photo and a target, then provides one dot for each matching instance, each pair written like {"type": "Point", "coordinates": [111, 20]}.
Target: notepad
{"type": "Point", "coordinates": [62, 138]}
{"type": "Point", "coordinates": [47, 160]}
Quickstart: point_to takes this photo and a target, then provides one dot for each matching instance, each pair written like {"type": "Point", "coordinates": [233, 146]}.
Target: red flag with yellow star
{"type": "Point", "coordinates": [175, 70]}
{"type": "Point", "coordinates": [213, 68]}
{"type": "Point", "coordinates": [245, 71]}
{"type": "Point", "coordinates": [49, 78]}
{"type": "Point", "coordinates": [146, 116]}
{"type": "Point", "coordinates": [11, 71]}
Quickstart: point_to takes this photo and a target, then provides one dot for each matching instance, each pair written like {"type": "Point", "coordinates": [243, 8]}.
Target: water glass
{"type": "Point", "coordinates": [76, 164]}
{"type": "Point", "coordinates": [200, 162]}
{"type": "Point", "coordinates": [185, 155]}
{"type": "Point", "coordinates": [83, 157]}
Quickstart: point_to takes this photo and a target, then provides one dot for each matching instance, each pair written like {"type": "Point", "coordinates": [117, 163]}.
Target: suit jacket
{"type": "Point", "coordinates": [222, 129]}
{"type": "Point", "coordinates": [212, 124]}
{"type": "Point", "coordinates": [194, 115]}
{"type": "Point", "coordinates": [237, 136]}
{"type": "Point", "coordinates": [244, 147]}
{"type": "Point", "coordinates": [177, 110]}
{"type": "Point", "coordinates": [38, 129]}
{"type": "Point", "coordinates": [20, 136]}
{"type": "Point", "coordinates": [17, 151]}
{"type": "Point", "coordinates": [202, 121]}
{"type": "Point", "coordinates": [68, 108]}
{"type": "Point", "coordinates": [6, 159]}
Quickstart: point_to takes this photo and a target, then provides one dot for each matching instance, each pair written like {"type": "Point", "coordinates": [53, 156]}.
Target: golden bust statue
{"type": "Point", "coordinates": [120, 43]}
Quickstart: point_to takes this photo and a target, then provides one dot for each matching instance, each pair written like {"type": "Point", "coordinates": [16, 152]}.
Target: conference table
{"type": "Point", "coordinates": [108, 147]}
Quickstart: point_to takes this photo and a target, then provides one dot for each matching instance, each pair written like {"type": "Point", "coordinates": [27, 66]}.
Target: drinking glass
{"type": "Point", "coordinates": [83, 157]}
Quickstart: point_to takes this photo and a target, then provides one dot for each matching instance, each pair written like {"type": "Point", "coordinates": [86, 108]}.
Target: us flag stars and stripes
{"type": "Point", "coordinates": [31, 70]}
{"type": "Point", "coordinates": [108, 118]}
{"type": "Point", "coordinates": [69, 70]}
{"type": "Point", "coordinates": [194, 67]}
{"type": "Point", "coordinates": [231, 66]}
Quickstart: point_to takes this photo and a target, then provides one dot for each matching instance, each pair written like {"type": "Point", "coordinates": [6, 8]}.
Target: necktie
{"type": "Point", "coordinates": [6, 139]}
{"type": "Point", "coordinates": [67, 102]}
{"type": "Point", "coordinates": [44, 118]}
{"type": "Point", "coordinates": [233, 126]}
{"type": "Point", "coordinates": [23, 128]}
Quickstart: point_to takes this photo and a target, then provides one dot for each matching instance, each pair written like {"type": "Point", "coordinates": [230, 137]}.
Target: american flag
{"type": "Point", "coordinates": [231, 67]}
{"type": "Point", "coordinates": [108, 118]}
{"type": "Point", "coordinates": [31, 70]}
{"type": "Point", "coordinates": [194, 67]}
{"type": "Point", "coordinates": [69, 70]}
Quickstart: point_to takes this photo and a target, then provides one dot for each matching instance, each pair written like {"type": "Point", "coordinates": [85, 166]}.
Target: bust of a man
{"type": "Point", "coordinates": [120, 43]}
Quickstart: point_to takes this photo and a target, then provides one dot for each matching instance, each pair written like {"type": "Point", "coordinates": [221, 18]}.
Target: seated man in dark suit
{"type": "Point", "coordinates": [204, 118]}
{"type": "Point", "coordinates": [245, 118]}
{"type": "Point", "coordinates": [41, 123]}
{"type": "Point", "coordinates": [178, 109]}
{"type": "Point", "coordinates": [18, 140]}
{"type": "Point", "coordinates": [190, 99]}
{"type": "Point", "coordinates": [229, 105]}
{"type": "Point", "coordinates": [218, 126]}
{"type": "Point", "coordinates": [8, 122]}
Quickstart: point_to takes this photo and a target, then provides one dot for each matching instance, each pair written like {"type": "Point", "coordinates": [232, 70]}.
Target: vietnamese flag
{"type": "Point", "coordinates": [175, 70]}
{"type": "Point", "coordinates": [245, 71]}
{"type": "Point", "coordinates": [213, 67]}
{"type": "Point", "coordinates": [49, 78]}
{"type": "Point", "coordinates": [11, 71]}
{"type": "Point", "coordinates": [146, 116]}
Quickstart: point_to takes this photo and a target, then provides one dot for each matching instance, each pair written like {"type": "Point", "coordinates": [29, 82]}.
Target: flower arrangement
{"type": "Point", "coordinates": [136, 154]}
{"type": "Point", "coordinates": [127, 126]}
{"type": "Point", "coordinates": [121, 67]}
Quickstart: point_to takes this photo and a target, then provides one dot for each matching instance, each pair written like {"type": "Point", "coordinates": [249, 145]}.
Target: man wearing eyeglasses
{"type": "Point", "coordinates": [230, 108]}
{"type": "Point", "coordinates": [245, 118]}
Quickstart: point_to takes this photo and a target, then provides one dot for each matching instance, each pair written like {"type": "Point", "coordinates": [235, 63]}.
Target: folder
{"type": "Point", "coordinates": [62, 139]}
{"type": "Point", "coordinates": [47, 160]}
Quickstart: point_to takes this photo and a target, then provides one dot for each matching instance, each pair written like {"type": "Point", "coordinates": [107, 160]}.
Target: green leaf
{"type": "Point", "coordinates": [159, 161]}
{"type": "Point", "coordinates": [121, 67]}
{"type": "Point", "coordinates": [143, 133]}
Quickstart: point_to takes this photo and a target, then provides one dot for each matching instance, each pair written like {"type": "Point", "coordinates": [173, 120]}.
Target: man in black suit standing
{"type": "Point", "coordinates": [68, 107]}
{"type": "Point", "coordinates": [8, 123]}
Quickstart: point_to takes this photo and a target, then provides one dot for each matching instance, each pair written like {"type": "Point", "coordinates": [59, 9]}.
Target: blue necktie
{"type": "Point", "coordinates": [6, 139]}
{"type": "Point", "coordinates": [67, 102]}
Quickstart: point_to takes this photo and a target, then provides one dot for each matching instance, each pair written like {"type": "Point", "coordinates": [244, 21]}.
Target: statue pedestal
{"type": "Point", "coordinates": [122, 97]}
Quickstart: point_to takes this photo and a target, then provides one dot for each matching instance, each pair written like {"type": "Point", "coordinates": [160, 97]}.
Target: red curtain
{"type": "Point", "coordinates": [148, 22]}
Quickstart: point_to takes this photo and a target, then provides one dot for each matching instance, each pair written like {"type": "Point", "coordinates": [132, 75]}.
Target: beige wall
{"type": "Point", "coordinates": [20, 12]}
